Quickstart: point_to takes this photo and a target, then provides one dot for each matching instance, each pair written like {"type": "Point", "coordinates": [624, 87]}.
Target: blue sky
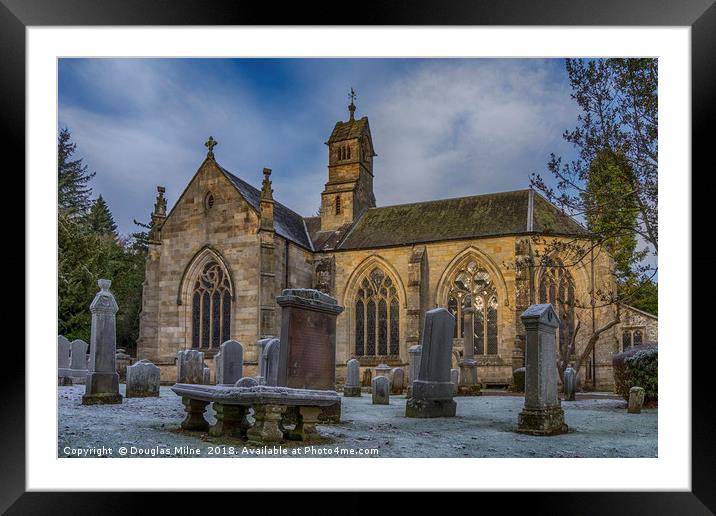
{"type": "Point", "coordinates": [441, 127]}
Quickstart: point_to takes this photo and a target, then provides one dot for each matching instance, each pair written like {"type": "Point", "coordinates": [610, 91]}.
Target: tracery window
{"type": "Point", "coordinates": [472, 285]}
{"type": "Point", "coordinates": [211, 307]}
{"type": "Point", "coordinates": [556, 286]}
{"type": "Point", "coordinates": [632, 337]}
{"type": "Point", "coordinates": [377, 316]}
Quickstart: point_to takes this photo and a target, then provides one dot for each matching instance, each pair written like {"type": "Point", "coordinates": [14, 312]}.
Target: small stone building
{"type": "Point", "coordinates": [226, 249]}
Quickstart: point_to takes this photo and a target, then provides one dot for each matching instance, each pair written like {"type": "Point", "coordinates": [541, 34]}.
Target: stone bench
{"type": "Point", "coordinates": [269, 403]}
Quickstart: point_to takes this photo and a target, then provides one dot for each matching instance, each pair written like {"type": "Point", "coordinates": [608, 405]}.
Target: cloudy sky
{"type": "Point", "coordinates": [441, 127]}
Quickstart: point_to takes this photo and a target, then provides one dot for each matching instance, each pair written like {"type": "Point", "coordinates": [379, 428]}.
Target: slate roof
{"type": "Point", "coordinates": [347, 130]}
{"type": "Point", "coordinates": [487, 215]}
{"type": "Point", "coordinates": [287, 222]}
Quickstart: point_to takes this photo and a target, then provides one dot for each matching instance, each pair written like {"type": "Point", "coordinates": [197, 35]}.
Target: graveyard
{"type": "Point", "coordinates": [292, 407]}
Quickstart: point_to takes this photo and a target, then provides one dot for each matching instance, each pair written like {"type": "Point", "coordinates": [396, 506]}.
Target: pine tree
{"type": "Point", "coordinates": [100, 219]}
{"type": "Point", "coordinates": [73, 192]}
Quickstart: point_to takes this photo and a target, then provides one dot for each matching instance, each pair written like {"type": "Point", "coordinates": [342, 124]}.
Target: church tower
{"type": "Point", "coordinates": [349, 190]}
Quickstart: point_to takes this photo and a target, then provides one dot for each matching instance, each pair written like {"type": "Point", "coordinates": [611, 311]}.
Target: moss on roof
{"type": "Point", "coordinates": [347, 130]}
{"type": "Point", "coordinates": [460, 218]}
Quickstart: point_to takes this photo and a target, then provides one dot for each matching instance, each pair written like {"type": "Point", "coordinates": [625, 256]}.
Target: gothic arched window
{"type": "Point", "coordinates": [556, 286]}
{"type": "Point", "coordinates": [377, 319]}
{"type": "Point", "coordinates": [211, 307]}
{"type": "Point", "coordinates": [472, 285]}
{"type": "Point", "coordinates": [338, 204]}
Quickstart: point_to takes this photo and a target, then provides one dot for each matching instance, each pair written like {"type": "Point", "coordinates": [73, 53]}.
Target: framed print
{"type": "Point", "coordinates": [404, 239]}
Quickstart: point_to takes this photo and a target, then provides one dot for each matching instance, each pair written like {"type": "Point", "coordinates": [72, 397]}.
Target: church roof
{"type": "Point", "coordinates": [347, 130]}
{"type": "Point", "coordinates": [287, 223]}
{"type": "Point", "coordinates": [496, 214]}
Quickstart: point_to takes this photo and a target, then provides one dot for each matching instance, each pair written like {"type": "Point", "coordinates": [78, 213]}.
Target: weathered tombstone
{"type": "Point", "coordinates": [468, 385]}
{"type": "Point", "coordinates": [231, 358]}
{"type": "Point", "coordinates": [397, 381]}
{"type": "Point", "coordinates": [142, 380]}
{"type": "Point", "coordinates": [432, 390]}
{"type": "Point", "coordinates": [367, 377]}
{"type": "Point", "coordinates": [260, 351]}
{"type": "Point", "coordinates": [78, 360]}
{"type": "Point", "coordinates": [455, 379]}
{"type": "Point", "coordinates": [382, 370]}
{"type": "Point", "coordinates": [308, 339]}
{"type": "Point", "coordinates": [381, 390]}
{"type": "Point", "coordinates": [123, 360]}
{"type": "Point", "coordinates": [63, 360]}
{"type": "Point", "coordinates": [206, 375]}
{"type": "Point", "coordinates": [271, 358]}
{"type": "Point", "coordinates": [518, 379]}
{"type": "Point", "coordinates": [102, 384]}
{"type": "Point", "coordinates": [636, 400]}
{"type": "Point", "coordinates": [351, 389]}
{"type": "Point", "coordinates": [414, 354]}
{"type": "Point", "coordinates": [570, 383]}
{"type": "Point", "coordinates": [190, 366]}
{"type": "Point", "coordinates": [542, 413]}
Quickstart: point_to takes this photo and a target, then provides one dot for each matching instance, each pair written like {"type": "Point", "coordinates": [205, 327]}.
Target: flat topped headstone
{"type": "Point", "coordinates": [256, 394]}
{"type": "Point", "coordinates": [380, 385]}
{"type": "Point", "coordinates": [142, 379]}
{"type": "Point", "coordinates": [432, 391]}
{"type": "Point", "coordinates": [308, 339]}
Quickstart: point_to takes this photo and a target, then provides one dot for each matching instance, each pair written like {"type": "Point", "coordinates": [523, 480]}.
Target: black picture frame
{"type": "Point", "coordinates": [700, 15]}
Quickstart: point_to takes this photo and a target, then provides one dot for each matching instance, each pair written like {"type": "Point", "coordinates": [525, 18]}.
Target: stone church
{"type": "Point", "coordinates": [218, 259]}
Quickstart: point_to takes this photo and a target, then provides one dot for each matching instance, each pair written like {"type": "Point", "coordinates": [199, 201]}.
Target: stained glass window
{"type": "Point", "coordinates": [211, 307]}
{"type": "Point", "coordinates": [473, 286]}
{"type": "Point", "coordinates": [377, 316]}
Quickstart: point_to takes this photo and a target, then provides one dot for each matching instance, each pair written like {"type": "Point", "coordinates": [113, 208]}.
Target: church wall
{"type": "Point", "coordinates": [300, 271]}
{"type": "Point", "coordinates": [230, 228]}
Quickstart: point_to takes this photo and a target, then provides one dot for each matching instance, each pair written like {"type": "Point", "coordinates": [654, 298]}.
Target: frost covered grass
{"type": "Point", "coordinates": [483, 428]}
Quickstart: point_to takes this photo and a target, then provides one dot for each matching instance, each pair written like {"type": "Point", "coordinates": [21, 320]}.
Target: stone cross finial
{"type": "Point", "coordinates": [210, 144]}
{"type": "Point", "coordinates": [160, 205]}
{"type": "Point", "coordinates": [352, 107]}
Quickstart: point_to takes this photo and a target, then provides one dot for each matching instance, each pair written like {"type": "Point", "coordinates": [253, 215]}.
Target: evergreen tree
{"type": "Point", "coordinates": [73, 191]}
{"type": "Point", "coordinates": [100, 219]}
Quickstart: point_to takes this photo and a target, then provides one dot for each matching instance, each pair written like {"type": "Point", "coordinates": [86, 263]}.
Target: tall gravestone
{"type": "Point", "coordinates": [468, 385]}
{"type": "Point", "coordinates": [570, 383]}
{"type": "Point", "coordinates": [190, 366]}
{"type": "Point", "coordinates": [271, 359]}
{"type": "Point", "coordinates": [414, 355]}
{"type": "Point", "coordinates": [231, 358]}
{"type": "Point", "coordinates": [351, 389]}
{"type": "Point", "coordinates": [308, 339]}
{"type": "Point", "coordinates": [542, 413]}
{"type": "Point", "coordinates": [102, 384]}
{"type": "Point", "coordinates": [142, 380]}
{"type": "Point", "coordinates": [433, 391]}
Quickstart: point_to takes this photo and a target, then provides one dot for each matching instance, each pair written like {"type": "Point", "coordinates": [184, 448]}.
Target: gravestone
{"type": "Point", "coordinates": [636, 400]}
{"type": "Point", "coordinates": [271, 358]}
{"type": "Point", "coordinates": [432, 390]}
{"type": "Point", "coordinates": [123, 360]}
{"type": "Point", "coordinates": [542, 413]}
{"type": "Point", "coordinates": [382, 370]}
{"type": "Point", "coordinates": [206, 375]}
{"type": "Point", "coordinates": [229, 363]}
{"type": "Point", "coordinates": [78, 361]}
{"type": "Point", "coordinates": [63, 360]}
{"type": "Point", "coordinates": [308, 339]}
{"type": "Point", "coordinates": [570, 383]}
{"type": "Point", "coordinates": [468, 385]}
{"type": "Point", "coordinates": [351, 389]}
{"type": "Point", "coordinates": [397, 381]}
{"type": "Point", "coordinates": [260, 350]}
{"type": "Point", "coordinates": [190, 366]}
{"type": "Point", "coordinates": [380, 386]}
{"type": "Point", "coordinates": [455, 379]}
{"type": "Point", "coordinates": [102, 384]}
{"type": "Point", "coordinates": [414, 354]}
{"type": "Point", "coordinates": [142, 380]}
{"type": "Point", "coordinates": [367, 377]}
{"type": "Point", "coordinates": [518, 379]}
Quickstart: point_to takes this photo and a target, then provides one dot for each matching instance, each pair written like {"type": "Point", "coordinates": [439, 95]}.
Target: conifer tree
{"type": "Point", "coordinates": [73, 191]}
{"type": "Point", "coordinates": [100, 219]}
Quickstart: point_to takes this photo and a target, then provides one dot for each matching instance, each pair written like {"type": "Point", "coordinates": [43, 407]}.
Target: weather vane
{"type": "Point", "coordinates": [352, 106]}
